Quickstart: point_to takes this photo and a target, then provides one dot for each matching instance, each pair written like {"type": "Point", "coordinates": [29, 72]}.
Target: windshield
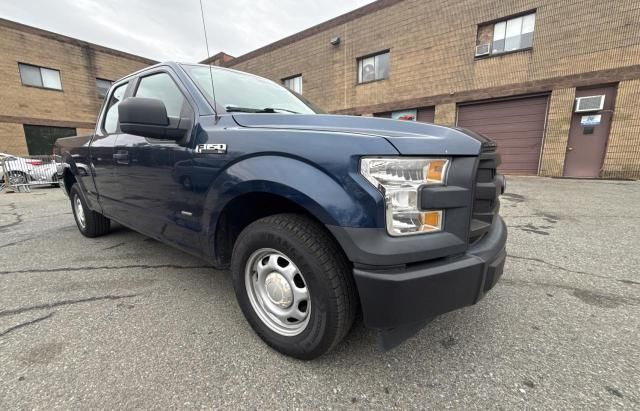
{"type": "Point", "coordinates": [240, 92]}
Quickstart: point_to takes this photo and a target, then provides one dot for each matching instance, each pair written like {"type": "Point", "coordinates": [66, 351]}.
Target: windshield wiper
{"type": "Point", "coordinates": [238, 109]}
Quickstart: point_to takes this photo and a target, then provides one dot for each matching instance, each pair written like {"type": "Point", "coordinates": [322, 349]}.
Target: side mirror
{"type": "Point", "coordinates": [147, 117]}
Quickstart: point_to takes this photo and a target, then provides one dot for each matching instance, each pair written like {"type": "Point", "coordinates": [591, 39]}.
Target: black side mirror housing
{"type": "Point", "coordinates": [147, 117]}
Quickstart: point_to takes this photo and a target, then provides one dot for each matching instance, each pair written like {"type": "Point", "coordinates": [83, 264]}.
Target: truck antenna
{"type": "Point", "coordinates": [206, 42]}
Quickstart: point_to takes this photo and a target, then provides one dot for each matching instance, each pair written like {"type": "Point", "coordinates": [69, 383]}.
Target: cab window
{"type": "Point", "coordinates": [161, 86]}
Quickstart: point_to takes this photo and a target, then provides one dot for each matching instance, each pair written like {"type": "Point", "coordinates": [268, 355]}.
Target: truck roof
{"type": "Point", "coordinates": [176, 66]}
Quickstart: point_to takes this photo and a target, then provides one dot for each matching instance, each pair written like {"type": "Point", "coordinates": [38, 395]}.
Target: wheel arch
{"type": "Point", "coordinates": [243, 210]}
{"type": "Point", "coordinates": [270, 184]}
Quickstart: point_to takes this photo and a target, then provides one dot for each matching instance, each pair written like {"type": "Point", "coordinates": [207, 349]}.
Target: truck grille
{"type": "Point", "coordinates": [488, 188]}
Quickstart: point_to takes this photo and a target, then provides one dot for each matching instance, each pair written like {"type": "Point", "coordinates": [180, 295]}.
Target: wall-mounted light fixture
{"type": "Point", "coordinates": [335, 41]}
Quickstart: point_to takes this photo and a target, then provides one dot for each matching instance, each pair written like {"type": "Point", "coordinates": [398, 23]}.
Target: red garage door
{"type": "Point", "coordinates": [517, 125]}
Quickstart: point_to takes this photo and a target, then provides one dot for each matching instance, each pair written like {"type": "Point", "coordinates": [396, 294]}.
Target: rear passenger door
{"type": "Point", "coordinates": [159, 202]}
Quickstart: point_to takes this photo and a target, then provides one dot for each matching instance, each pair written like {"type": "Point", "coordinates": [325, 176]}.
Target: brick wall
{"type": "Point", "coordinates": [623, 152]}
{"type": "Point", "coordinates": [557, 131]}
{"type": "Point", "coordinates": [432, 51]}
{"type": "Point", "coordinates": [446, 114]}
{"type": "Point", "coordinates": [12, 139]}
{"type": "Point", "coordinates": [576, 43]}
{"type": "Point", "coordinates": [79, 64]}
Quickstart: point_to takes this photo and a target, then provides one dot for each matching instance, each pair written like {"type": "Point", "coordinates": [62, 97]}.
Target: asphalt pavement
{"type": "Point", "coordinates": [123, 321]}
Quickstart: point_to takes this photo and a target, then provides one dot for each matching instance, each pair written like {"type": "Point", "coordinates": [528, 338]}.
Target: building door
{"type": "Point", "coordinates": [589, 134]}
{"type": "Point", "coordinates": [515, 124]}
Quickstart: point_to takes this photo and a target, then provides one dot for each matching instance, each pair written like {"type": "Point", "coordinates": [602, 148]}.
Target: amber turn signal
{"type": "Point", "coordinates": [430, 220]}
{"type": "Point", "coordinates": [434, 171]}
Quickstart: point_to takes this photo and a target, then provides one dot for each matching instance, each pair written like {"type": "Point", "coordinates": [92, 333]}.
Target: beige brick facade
{"type": "Point", "coordinates": [576, 43]}
{"type": "Point", "coordinates": [623, 151]}
{"type": "Point", "coordinates": [79, 63]}
{"type": "Point", "coordinates": [557, 131]}
{"type": "Point", "coordinates": [446, 114]}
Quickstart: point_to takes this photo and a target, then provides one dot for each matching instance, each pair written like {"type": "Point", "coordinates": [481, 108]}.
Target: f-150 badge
{"type": "Point", "coordinates": [211, 148]}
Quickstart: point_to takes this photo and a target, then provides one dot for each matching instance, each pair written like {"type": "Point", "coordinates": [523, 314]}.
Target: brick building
{"type": "Point", "coordinates": [52, 85]}
{"type": "Point", "coordinates": [509, 69]}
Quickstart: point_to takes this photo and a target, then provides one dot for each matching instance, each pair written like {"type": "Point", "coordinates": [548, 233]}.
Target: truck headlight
{"type": "Point", "coordinates": [398, 179]}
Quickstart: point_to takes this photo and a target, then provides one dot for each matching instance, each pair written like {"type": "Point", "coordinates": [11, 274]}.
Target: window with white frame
{"type": "Point", "coordinates": [511, 34]}
{"type": "Point", "coordinates": [373, 68]}
{"type": "Point", "coordinates": [39, 76]}
{"type": "Point", "coordinates": [293, 83]}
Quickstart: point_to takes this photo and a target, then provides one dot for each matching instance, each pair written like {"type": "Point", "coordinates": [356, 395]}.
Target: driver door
{"type": "Point", "coordinates": [158, 202]}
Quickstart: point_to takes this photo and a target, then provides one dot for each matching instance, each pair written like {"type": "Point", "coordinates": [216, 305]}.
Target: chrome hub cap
{"type": "Point", "coordinates": [79, 212]}
{"type": "Point", "coordinates": [277, 291]}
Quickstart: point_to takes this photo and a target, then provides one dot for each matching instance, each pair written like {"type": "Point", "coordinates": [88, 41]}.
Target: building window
{"type": "Point", "coordinates": [507, 35]}
{"type": "Point", "coordinates": [103, 86]}
{"type": "Point", "coordinates": [40, 76]}
{"type": "Point", "coordinates": [40, 139]}
{"type": "Point", "coordinates": [293, 83]}
{"type": "Point", "coordinates": [374, 67]}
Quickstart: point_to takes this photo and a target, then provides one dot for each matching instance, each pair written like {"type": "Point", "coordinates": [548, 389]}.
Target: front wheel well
{"type": "Point", "coordinates": [69, 180]}
{"type": "Point", "coordinates": [244, 210]}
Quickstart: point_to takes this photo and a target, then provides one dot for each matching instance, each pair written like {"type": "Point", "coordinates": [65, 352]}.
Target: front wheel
{"type": "Point", "coordinates": [294, 285]}
{"type": "Point", "coordinates": [90, 223]}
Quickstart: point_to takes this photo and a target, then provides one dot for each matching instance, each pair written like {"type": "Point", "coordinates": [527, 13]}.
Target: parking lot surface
{"type": "Point", "coordinates": [123, 321]}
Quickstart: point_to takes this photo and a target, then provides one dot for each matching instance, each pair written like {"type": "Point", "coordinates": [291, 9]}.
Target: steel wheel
{"type": "Point", "coordinates": [278, 292]}
{"type": "Point", "coordinates": [77, 205]}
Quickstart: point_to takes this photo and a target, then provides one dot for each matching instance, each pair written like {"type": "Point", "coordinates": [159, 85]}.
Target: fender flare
{"type": "Point", "coordinates": [344, 203]}
{"type": "Point", "coordinates": [70, 167]}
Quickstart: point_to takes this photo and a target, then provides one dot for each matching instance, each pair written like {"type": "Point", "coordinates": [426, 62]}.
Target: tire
{"type": "Point", "coordinates": [18, 177]}
{"type": "Point", "coordinates": [90, 223]}
{"type": "Point", "coordinates": [266, 257]}
{"type": "Point", "coordinates": [54, 180]}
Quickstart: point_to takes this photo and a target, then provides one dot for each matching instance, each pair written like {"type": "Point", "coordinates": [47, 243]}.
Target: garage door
{"type": "Point", "coordinates": [517, 125]}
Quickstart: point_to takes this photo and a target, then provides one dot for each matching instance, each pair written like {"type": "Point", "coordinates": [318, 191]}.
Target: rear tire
{"type": "Point", "coordinates": [90, 223]}
{"type": "Point", "coordinates": [294, 285]}
{"type": "Point", "coordinates": [54, 180]}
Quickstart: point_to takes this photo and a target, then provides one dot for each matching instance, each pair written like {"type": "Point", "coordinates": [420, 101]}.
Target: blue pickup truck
{"type": "Point", "coordinates": [318, 217]}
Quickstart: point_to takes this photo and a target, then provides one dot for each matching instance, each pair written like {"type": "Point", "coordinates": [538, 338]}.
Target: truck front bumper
{"type": "Point", "coordinates": [399, 301]}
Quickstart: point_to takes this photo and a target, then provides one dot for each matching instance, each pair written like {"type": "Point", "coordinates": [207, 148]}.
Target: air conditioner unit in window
{"type": "Point", "coordinates": [589, 103]}
{"type": "Point", "coordinates": [483, 49]}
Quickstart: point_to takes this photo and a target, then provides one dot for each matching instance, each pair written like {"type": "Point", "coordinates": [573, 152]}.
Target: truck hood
{"type": "Point", "coordinates": [408, 137]}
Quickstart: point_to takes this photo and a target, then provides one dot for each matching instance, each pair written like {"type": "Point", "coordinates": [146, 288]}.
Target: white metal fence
{"type": "Point", "coordinates": [19, 174]}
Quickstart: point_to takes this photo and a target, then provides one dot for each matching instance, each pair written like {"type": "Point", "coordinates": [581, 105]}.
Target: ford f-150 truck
{"type": "Point", "coordinates": [319, 217]}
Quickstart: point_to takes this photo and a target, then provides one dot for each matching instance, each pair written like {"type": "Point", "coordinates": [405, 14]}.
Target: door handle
{"type": "Point", "coordinates": [122, 157]}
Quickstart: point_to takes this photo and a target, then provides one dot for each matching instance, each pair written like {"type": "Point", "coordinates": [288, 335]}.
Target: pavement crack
{"type": "Point", "coordinates": [25, 324]}
{"type": "Point", "coordinates": [4, 228]}
{"type": "Point", "coordinates": [105, 267]}
{"type": "Point", "coordinates": [16, 242]}
{"type": "Point", "coordinates": [113, 246]}
{"type": "Point", "coordinates": [557, 267]}
{"type": "Point", "coordinates": [598, 299]}
{"type": "Point", "coordinates": [63, 303]}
